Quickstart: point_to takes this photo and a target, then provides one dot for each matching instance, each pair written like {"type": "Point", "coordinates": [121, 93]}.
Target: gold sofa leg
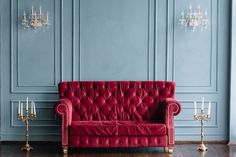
{"type": "Point", "coordinates": [65, 149]}
{"type": "Point", "coordinates": [169, 150]}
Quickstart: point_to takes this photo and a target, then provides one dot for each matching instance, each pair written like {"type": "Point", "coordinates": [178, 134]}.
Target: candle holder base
{"type": "Point", "coordinates": [27, 148]}
{"type": "Point", "coordinates": [202, 147]}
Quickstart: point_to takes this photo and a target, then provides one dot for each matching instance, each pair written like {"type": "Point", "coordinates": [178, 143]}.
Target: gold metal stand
{"type": "Point", "coordinates": [26, 119]}
{"type": "Point", "coordinates": [202, 117]}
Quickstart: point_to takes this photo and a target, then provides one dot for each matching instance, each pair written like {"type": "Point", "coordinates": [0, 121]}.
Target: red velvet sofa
{"type": "Point", "coordinates": [117, 114]}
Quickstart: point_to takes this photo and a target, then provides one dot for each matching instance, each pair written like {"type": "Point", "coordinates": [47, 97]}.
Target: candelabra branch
{"type": "Point", "coordinates": [202, 117]}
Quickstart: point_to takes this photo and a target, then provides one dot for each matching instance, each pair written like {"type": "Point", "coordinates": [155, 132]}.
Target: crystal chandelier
{"type": "Point", "coordinates": [35, 19]}
{"type": "Point", "coordinates": [193, 19]}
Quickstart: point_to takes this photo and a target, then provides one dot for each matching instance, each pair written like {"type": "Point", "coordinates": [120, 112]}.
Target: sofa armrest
{"type": "Point", "coordinates": [63, 109]}
{"type": "Point", "coordinates": [171, 108]}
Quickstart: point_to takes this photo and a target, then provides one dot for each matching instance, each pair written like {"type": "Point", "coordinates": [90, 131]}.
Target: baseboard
{"type": "Point", "coordinates": [197, 142]}
{"type": "Point", "coordinates": [32, 142]}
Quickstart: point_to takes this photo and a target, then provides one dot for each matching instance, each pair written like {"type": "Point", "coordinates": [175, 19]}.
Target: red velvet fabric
{"type": "Point", "coordinates": [94, 128]}
{"type": "Point", "coordinates": [171, 108]}
{"type": "Point", "coordinates": [117, 141]}
{"type": "Point", "coordinates": [64, 109]}
{"type": "Point", "coordinates": [134, 128]}
{"type": "Point", "coordinates": [114, 128]}
{"type": "Point", "coordinates": [117, 113]}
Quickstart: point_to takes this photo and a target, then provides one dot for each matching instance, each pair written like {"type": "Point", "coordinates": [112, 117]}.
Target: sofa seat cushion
{"type": "Point", "coordinates": [94, 128]}
{"type": "Point", "coordinates": [136, 128]}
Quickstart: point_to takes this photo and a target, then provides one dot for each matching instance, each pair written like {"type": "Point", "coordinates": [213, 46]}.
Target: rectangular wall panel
{"type": "Point", "coordinates": [114, 40]}
{"type": "Point", "coordinates": [193, 55]}
{"type": "Point", "coordinates": [35, 60]}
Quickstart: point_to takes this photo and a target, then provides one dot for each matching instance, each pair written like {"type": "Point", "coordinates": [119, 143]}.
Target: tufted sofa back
{"type": "Point", "coordinates": [116, 100]}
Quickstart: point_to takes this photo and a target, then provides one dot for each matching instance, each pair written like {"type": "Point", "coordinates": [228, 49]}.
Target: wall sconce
{"type": "Point", "coordinates": [193, 19]}
{"type": "Point", "coordinates": [35, 19]}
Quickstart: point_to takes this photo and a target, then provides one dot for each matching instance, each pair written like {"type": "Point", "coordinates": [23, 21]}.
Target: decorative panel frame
{"type": "Point", "coordinates": [16, 85]}
{"type": "Point", "coordinates": [172, 21]}
{"type": "Point", "coordinates": [76, 46]}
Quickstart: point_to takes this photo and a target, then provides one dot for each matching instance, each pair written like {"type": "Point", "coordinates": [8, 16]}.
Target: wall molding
{"type": "Point", "coordinates": [76, 74]}
{"type": "Point", "coordinates": [16, 85]}
{"type": "Point", "coordinates": [171, 54]}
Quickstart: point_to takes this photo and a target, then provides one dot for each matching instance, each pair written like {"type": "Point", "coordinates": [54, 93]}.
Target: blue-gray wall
{"type": "Point", "coordinates": [113, 40]}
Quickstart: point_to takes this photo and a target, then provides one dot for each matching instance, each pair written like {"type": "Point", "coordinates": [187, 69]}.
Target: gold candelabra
{"type": "Point", "coordinates": [202, 117]}
{"type": "Point", "coordinates": [26, 119]}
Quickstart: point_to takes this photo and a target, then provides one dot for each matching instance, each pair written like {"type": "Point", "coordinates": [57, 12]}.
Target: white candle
{"type": "Point", "coordinates": [34, 109]}
{"type": "Point", "coordinates": [27, 107]}
{"type": "Point", "coordinates": [195, 108]}
{"type": "Point", "coordinates": [40, 10]}
{"type": "Point", "coordinates": [202, 103]}
{"type": "Point", "coordinates": [47, 17]}
{"type": "Point", "coordinates": [32, 10]}
{"type": "Point", "coordinates": [209, 108]}
{"type": "Point", "coordinates": [190, 8]}
{"type": "Point", "coordinates": [19, 107]}
{"type": "Point", "coordinates": [31, 107]}
{"type": "Point", "coordinates": [199, 10]}
{"type": "Point", "coordinates": [24, 17]}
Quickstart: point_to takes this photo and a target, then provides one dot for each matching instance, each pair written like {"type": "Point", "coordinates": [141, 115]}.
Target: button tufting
{"type": "Point", "coordinates": [109, 101]}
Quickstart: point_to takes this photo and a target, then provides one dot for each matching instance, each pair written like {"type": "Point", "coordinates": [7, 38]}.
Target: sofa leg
{"type": "Point", "coordinates": [65, 150]}
{"type": "Point", "coordinates": [169, 150]}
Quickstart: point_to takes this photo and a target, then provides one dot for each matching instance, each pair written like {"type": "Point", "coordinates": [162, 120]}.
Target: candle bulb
{"type": "Point", "coordinates": [24, 17]}
{"type": "Point", "coordinates": [47, 17]}
{"type": "Point", "coordinates": [190, 8]}
{"type": "Point", "coordinates": [19, 108]}
{"type": "Point", "coordinates": [182, 13]}
{"type": "Point", "coordinates": [32, 10]}
{"type": "Point", "coordinates": [40, 10]}
{"type": "Point", "coordinates": [27, 107]}
{"type": "Point", "coordinates": [31, 107]}
{"type": "Point", "coordinates": [195, 108]}
{"type": "Point", "coordinates": [199, 10]}
{"type": "Point", "coordinates": [209, 108]}
{"type": "Point", "coordinates": [34, 110]}
{"type": "Point", "coordinates": [202, 103]}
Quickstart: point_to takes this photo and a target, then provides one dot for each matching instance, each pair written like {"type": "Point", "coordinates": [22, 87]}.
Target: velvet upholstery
{"type": "Point", "coordinates": [117, 113]}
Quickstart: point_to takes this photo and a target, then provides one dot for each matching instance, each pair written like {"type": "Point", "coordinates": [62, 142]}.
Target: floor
{"type": "Point", "coordinates": [180, 150]}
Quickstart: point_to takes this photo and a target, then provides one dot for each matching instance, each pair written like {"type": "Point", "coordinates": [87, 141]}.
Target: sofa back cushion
{"type": "Point", "coordinates": [116, 100]}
